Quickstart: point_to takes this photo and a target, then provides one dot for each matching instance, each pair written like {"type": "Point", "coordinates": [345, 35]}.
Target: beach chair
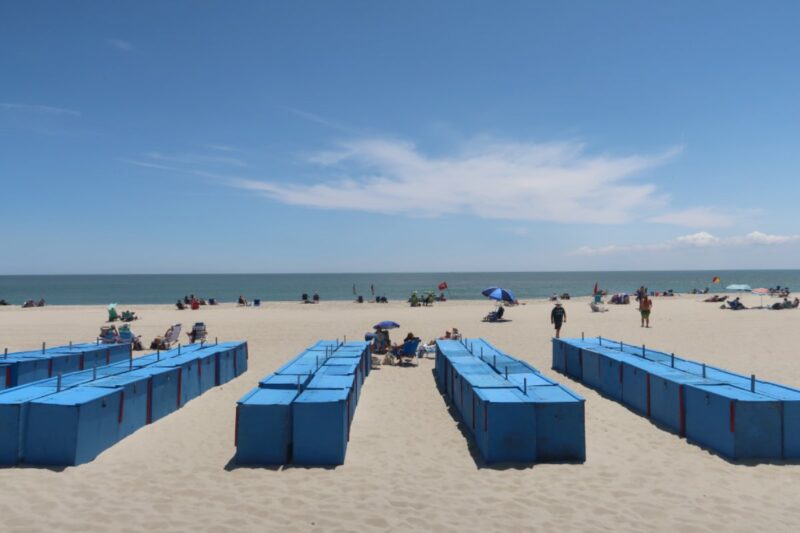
{"type": "Point", "coordinates": [495, 316]}
{"type": "Point", "coordinates": [407, 352]}
{"type": "Point", "coordinates": [126, 336]}
{"type": "Point", "coordinates": [108, 335]}
{"type": "Point", "coordinates": [112, 314]}
{"type": "Point", "coordinates": [164, 342]}
{"type": "Point", "coordinates": [198, 332]}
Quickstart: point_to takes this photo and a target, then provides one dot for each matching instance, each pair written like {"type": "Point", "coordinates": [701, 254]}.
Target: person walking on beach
{"type": "Point", "coordinates": [557, 317]}
{"type": "Point", "coordinates": [645, 306]}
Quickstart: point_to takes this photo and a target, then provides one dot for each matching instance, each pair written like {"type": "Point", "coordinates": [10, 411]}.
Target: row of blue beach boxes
{"type": "Point", "coordinates": [736, 416]}
{"type": "Point", "coordinates": [19, 368]}
{"type": "Point", "coordinates": [513, 412]}
{"type": "Point", "coordinates": [71, 418]}
{"type": "Point", "coordinates": [301, 414]}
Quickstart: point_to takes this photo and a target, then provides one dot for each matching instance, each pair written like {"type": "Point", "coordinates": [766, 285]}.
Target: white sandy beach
{"type": "Point", "coordinates": [408, 465]}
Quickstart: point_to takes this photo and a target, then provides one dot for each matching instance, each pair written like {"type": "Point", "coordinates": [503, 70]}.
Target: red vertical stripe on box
{"type": "Point", "coordinates": [180, 381]}
{"type": "Point", "coordinates": [121, 406]}
{"type": "Point", "coordinates": [150, 400]}
{"type": "Point", "coordinates": [8, 376]}
{"type": "Point", "coordinates": [49, 368]}
{"type": "Point", "coordinates": [236, 427]}
{"type": "Point", "coordinates": [682, 412]}
{"type": "Point", "coordinates": [733, 416]}
{"type": "Point", "coordinates": [81, 362]}
{"type": "Point", "coordinates": [647, 377]}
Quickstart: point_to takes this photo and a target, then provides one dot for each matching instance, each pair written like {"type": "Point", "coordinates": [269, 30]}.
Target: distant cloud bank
{"type": "Point", "coordinates": [696, 240]}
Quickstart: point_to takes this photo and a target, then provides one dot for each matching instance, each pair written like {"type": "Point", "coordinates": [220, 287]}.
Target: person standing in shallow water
{"type": "Point", "coordinates": [645, 306]}
{"type": "Point", "coordinates": [558, 316]}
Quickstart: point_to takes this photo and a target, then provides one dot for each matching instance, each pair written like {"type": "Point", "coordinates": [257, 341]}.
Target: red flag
{"type": "Point", "coordinates": [596, 288]}
{"type": "Point", "coordinates": [442, 285]}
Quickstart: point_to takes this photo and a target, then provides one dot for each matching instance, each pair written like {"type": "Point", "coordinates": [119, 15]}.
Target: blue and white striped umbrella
{"type": "Point", "coordinates": [496, 293]}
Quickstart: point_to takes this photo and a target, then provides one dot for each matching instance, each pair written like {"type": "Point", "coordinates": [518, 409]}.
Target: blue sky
{"type": "Point", "coordinates": [150, 137]}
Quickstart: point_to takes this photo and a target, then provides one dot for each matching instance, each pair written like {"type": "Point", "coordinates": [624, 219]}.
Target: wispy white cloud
{"type": "Point", "coordinates": [695, 240]}
{"type": "Point", "coordinates": [222, 148]}
{"type": "Point", "coordinates": [696, 217]}
{"type": "Point", "coordinates": [36, 108]}
{"type": "Point", "coordinates": [318, 119]}
{"type": "Point", "coordinates": [119, 44]}
{"type": "Point", "coordinates": [557, 182]}
{"type": "Point", "coordinates": [196, 159]}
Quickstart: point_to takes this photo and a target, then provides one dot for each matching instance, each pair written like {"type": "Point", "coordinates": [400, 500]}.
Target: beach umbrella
{"type": "Point", "coordinates": [386, 324]}
{"type": "Point", "coordinates": [761, 292]}
{"type": "Point", "coordinates": [742, 288]}
{"type": "Point", "coordinates": [496, 293]}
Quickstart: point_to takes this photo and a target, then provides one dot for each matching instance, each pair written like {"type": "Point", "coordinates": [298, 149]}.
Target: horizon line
{"type": "Point", "coordinates": [395, 273]}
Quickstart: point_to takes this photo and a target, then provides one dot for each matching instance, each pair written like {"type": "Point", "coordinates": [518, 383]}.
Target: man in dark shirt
{"type": "Point", "coordinates": [557, 317]}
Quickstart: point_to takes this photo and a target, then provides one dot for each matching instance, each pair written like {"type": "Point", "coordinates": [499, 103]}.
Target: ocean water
{"type": "Point", "coordinates": [151, 289]}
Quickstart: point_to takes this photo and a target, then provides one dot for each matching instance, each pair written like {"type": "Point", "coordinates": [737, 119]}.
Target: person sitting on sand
{"type": "Point", "coordinates": [736, 304]}
{"type": "Point", "coordinates": [414, 300]}
{"type": "Point", "coordinates": [381, 341]}
{"type": "Point", "coordinates": [242, 300]}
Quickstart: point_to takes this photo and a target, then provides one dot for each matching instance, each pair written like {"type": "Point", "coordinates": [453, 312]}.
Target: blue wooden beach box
{"type": "Point", "coordinates": [73, 426]}
{"type": "Point", "coordinates": [736, 423]}
{"type": "Point", "coordinates": [13, 419]}
{"type": "Point", "coordinates": [164, 396]}
{"type": "Point", "coordinates": [505, 426]}
{"type": "Point", "coordinates": [264, 426]}
{"type": "Point", "coordinates": [135, 400]}
{"type": "Point", "coordinates": [320, 427]}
